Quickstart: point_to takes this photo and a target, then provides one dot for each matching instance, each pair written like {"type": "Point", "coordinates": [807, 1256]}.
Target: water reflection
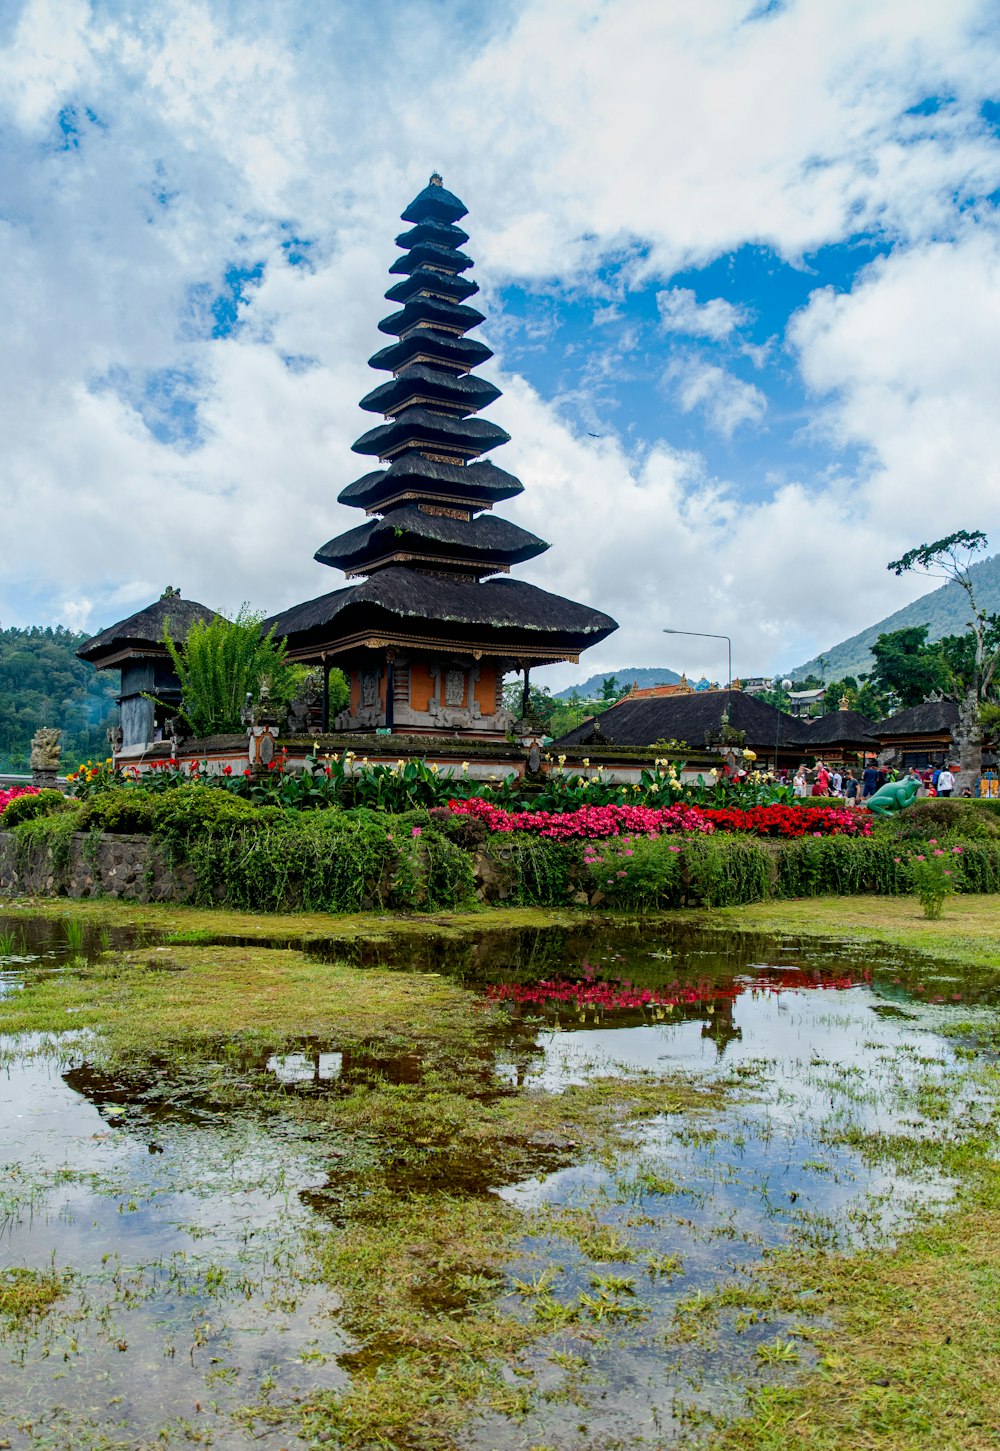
{"type": "Point", "coordinates": [182, 1212]}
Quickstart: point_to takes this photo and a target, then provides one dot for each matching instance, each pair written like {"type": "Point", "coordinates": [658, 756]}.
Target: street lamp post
{"type": "Point", "coordinates": [778, 684]}
{"type": "Point", "coordinates": [707, 635]}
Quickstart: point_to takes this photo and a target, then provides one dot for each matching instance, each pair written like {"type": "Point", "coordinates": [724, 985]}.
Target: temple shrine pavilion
{"type": "Point", "coordinates": [429, 625]}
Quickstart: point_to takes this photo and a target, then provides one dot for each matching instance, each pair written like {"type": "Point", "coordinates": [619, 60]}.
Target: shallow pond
{"type": "Point", "coordinates": [180, 1219]}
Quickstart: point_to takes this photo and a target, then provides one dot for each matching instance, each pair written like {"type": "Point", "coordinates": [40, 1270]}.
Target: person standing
{"type": "Point", "coordinates": [800, 786]}
{"type": "Point", "coordinates": [851, 788]}
{"type": "Point", "coordinates": [869, 781]}
{"type": "Point", "coordinates": [946, 782]}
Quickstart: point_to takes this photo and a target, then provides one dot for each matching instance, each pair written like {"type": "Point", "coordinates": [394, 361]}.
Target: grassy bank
{"type": "Point", "coordinates": [968, 932]}
{"type": "Point", "coordinates": [415, 1249]}
{"type": "Point", "coordinates": [905, 1338]}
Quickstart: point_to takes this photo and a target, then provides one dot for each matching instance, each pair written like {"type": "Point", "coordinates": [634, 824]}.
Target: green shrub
{"type": "Point", "coordinates": [949, 816]}
{"type": "Point", "coordinates": [636, 872]}
{"type": "Point", "coordinates": [120, 809]}
{"type": "Point", "coordinates": [193, 810]}
{"type": "Point", "coordinates": [431, 872]}
{"type": "Point", "coordinates": [53, 834]}
{"type": "Point", "coordinates": [813, 866]}
{"type": "Point", "coordinates": [325, 861]}
{"type": "Point", "coordinates": [726, 871]}
{"type": "Point", "coordinates": [26, 808]}
{"type": "Point", "coordinates": [536, 872]}
{"type": "Point", "coordinates": [980, 867]}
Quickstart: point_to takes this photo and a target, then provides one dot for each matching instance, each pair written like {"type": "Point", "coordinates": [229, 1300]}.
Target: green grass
{"type": "Point", "coordinates": [910, 1360]}
{"type": "Point", "coordinates": [27, 1294]}
{"type": "Point", "coordinates": [969, 931]}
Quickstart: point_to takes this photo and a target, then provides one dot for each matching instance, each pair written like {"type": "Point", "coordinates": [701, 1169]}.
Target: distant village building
{"type": "Point", "coordinates": [801, 702]}
{"type": "Point", "coordinates": [428, 633]}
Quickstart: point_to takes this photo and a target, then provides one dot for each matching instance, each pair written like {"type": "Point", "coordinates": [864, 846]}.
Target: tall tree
{"type": "Point", "coordinates": [907, 666]}
{"type": "Point", "coordinates": [951, 558]}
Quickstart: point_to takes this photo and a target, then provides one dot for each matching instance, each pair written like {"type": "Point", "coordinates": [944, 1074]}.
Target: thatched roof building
{"type": "Point", "coordinates": [428, 634]}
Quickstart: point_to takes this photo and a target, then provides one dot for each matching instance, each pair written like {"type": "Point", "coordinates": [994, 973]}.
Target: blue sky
{"type": "Point", "coordinates": [740, 265]}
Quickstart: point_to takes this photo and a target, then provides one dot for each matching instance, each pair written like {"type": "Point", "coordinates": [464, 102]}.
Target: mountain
{"type": "Point", "coordinates": [643, 675]}
{"type": "Point", "coordinates": [945, 611]}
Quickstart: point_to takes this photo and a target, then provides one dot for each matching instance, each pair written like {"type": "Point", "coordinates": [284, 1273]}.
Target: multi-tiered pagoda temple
{"type": "Point", "coordinates": [431, 628]}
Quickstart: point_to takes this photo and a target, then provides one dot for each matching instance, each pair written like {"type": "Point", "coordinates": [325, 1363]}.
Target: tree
{"type": "Point", "coordinates": [973, 679]}
{"type": "Point", "coordinates": [44, 683]}
{"type": "Point", "coordinates": [907, 667]}
{"type": "Point", "coordinates": [223, 664]}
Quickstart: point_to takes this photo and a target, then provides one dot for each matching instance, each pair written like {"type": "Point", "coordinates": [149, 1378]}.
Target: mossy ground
{"type": "Point", "coordinates": [968, 932]}
{"type": "Point", "coordinates": [418, 1243]}
{"type": "Point", "coordinates": [906, 1337]}
{"type": "Point", "coordinates": [27, 1294]}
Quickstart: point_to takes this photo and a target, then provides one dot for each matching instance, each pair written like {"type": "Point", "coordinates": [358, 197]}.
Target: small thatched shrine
{"type": "Point", "coordinates": [431, 626]}
{"type": "Point", "coordinates": [150, 689]}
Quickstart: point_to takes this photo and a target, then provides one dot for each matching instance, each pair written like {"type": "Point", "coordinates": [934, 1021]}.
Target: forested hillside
{"type": "Point", "coordinates": [643, 675]}
{"type": "Point", "coordinates": [945, 611]}
{"type": "Point", "coordinates": [42, 683]}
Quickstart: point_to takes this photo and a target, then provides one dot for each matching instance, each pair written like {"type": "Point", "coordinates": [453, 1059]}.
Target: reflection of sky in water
{"type": "Point", "coordinates": [195, 1221]}
{"type": "Point", "coordinates": [176, 1194]}
{"type": "Point", "coordinates": [816, 1063]}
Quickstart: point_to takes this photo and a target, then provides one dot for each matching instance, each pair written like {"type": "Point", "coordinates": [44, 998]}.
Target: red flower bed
{"type": "Point", "coordinates": [6, 797]}
{"type": "Point", "coordinates": [604, 821]}
{"type": "Point", "coordinates": [792, 820]}
{"type": "Point", "coordinates": [587, 821]}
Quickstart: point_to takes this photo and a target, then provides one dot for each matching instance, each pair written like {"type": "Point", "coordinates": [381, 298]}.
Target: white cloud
{"type": "Point", "coordinates": [725, 400]}
{"type": "Point", "coordinates": [209, 134]}
{"type": "Point", "coordinates": [908, 363]}
{"type": "Point", "coordinates": [681, 312]}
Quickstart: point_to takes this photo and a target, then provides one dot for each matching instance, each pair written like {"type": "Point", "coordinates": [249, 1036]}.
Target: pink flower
{"type": "Point", "coordinates": [956, 851]}
{"type": "Point", "coordinates": [919, 858]}
{"type": "Point", "coordinates": [938, 852]}
{"type": "Point", "coordinates": [417, 831]}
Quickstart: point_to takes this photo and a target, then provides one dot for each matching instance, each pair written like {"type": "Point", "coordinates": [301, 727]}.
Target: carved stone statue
{"type": "Point", "coordinates": [305, 704]}
{"type": "Point", "coordinates": [893, 797]}
{"type": "Point", "coordinates": [115, 736]}
{"type": "Point", "coordinates": [46, 754]}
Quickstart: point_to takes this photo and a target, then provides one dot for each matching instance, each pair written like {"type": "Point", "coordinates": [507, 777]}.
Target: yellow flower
{"type": "Point", "coordinates": [435, 766]}
{"type": "Point", "coordinates": [561, 760]}
{"type": "Point", "coordinates": [315, 748]}
{"type": "Point", "coordinates": [465, 765]}
{"type": "Point", "coordinates": [586, 760]}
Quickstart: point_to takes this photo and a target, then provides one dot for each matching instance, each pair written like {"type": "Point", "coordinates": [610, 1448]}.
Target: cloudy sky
{"type": "Point", "coordinates": [740, 261]}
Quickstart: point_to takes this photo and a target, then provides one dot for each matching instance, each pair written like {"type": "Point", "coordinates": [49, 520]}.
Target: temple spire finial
{"type": "Point", "coordinates": [436, 179]}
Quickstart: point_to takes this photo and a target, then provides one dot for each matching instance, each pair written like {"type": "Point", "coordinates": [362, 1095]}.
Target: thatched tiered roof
{"type": "Point", "coordinates": [429, 555]}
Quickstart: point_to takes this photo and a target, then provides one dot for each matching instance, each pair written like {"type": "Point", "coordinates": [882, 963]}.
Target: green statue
{"type": "Point", "coordinates": [893, 797]}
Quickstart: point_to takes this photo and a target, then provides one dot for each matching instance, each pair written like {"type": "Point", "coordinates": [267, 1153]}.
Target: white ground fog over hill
{"type": "Point", "coordinates": [740, 264]}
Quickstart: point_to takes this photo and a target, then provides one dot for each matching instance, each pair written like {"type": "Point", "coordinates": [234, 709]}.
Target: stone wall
{"type": "Point", "coordinates": [131, 867]}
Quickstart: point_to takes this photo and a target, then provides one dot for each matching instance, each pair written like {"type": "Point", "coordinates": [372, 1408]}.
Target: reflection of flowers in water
{"type": "Point", "coordinates": [619, 994]}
